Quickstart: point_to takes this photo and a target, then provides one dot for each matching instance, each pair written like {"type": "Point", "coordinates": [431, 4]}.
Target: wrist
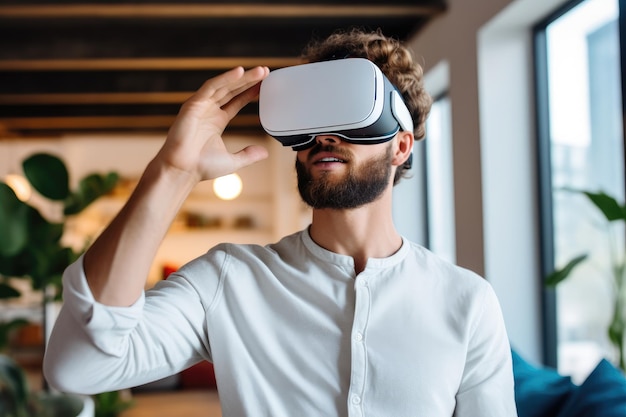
{"type": "Point", "coordinates": [170, 176]}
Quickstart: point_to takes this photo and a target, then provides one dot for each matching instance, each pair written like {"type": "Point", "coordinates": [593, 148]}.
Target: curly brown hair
{"type": "Point", "coordinates": [394, 60]}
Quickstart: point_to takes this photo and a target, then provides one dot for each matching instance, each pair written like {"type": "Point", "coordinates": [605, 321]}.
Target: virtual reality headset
{"type": "Point", "coordinates": [350, 98]}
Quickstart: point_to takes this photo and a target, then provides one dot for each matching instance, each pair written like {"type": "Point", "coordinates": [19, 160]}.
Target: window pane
{"type": "Point", "coordinates": [586, 153]}
{"type": "Point", "coordinates": [439, 183]}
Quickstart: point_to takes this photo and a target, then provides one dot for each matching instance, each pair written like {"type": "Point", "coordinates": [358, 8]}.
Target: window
{"type": "Point", "coordinates": [439, 183]}
{"type": "Point", "coordinates": [580, 147]}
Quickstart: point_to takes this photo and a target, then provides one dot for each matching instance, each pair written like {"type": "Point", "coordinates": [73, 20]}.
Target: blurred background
{"type": "Point", "coordinates": [528, 105]}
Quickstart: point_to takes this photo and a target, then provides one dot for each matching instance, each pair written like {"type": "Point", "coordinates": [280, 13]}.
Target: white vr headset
{"type": "Point", "coordinates": [350, 98]}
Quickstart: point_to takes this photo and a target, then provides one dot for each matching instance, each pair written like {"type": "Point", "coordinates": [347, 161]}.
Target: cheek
{"type": "Point", "coordinates": [301, 156]}
{"type": "Point", "coordinates": [374, 152]}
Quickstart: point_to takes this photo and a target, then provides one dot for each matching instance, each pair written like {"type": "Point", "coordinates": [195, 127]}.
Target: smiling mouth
{"type": "Point", "coordinates": [329, 159]}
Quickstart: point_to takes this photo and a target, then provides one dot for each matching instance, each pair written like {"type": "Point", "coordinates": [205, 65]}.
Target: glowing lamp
{"type": "Point", "coordinates": [228, 187]}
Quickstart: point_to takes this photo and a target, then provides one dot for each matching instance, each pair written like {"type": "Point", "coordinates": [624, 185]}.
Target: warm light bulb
{"type": "Point", "coordinates": [20, 185]}
{"type": "Point", "coordinates": [228, 187]}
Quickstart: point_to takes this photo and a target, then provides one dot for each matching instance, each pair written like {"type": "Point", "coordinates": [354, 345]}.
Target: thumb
{"type": "Point", "coordinates": [249, 155]}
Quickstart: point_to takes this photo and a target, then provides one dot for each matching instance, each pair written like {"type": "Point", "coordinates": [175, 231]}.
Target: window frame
{"type": "Point", "coordinates": [549, 329]}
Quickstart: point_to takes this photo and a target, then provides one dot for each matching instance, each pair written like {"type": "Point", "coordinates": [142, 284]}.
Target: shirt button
{"type": "Point", "coordinates": [364, 283]}
{"type": "Point", "coordinates": [356, 399]}
{"type": "Point", "coordinates": [358, 337]}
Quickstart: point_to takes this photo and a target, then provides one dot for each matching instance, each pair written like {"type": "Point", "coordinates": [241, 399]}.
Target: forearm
{"type": "Point", "coordinates": [118, 263]}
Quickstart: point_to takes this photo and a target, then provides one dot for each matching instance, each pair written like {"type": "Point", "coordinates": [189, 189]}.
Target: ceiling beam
{"type": "Point", "coordinates": [142, 64]}
{"type": "Point", "coordinates": [102, 65]}
{"type": "Point", "coordinates": [107, 122]}
{"type": "Point", "coordinates": [95, 98]}
{"type": "Point", "coordinates": [150, 11]}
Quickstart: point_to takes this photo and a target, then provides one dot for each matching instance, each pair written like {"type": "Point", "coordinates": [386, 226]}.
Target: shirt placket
{"type": "Point", "coordinates": [359, 347]}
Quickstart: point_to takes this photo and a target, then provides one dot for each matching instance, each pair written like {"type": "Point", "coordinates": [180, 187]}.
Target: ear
{"type": "Point", "coordinates": [404, 147]}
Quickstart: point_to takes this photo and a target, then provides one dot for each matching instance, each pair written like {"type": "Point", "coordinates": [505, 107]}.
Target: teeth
{"type": "Point", "coordinates": [330, 160]}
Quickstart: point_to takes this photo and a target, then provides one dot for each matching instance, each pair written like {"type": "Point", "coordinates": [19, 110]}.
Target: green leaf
{"type": "Point", "coordinates": [7, 291]}
{"type": "Point", "coordinates": [40, 266]}
{"type": "Point", "coordinates": [60, 404]}
{"type": "Point", "coordinates": [13, 222]}
{"type": "Point", "coordinates": [47, 262]}
{"type": "Point", "coordinates": [616, 330]}
{"type": "Point", "coordinates": [41, 231]}
{"type": "Point", "coordinates": [16, 265]}
{"type": "Point", "coordinates": [48, 175]}
{"type": "Point", "coordinates": [90, 189]}
{"type": "Point", "coordinates": [611, 209]}
{"type": "Point", "coordinates": [13, 379]}
{"type": "Point", "coordinates": [22, 227]}
{"type": "Point", "coordinates": [43, 238]}
{"type": "Point", "coordinates": [110, 404]}
{"type": "Point", "coordinates": [560, 274]}
{"type": "Point", "coordinates": [72, 204]}
{"type": "Point", "coordinates": [110, 181]}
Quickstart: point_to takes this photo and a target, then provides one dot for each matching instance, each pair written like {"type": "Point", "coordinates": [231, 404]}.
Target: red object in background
{"type": "Point", "coordinates": [201, 375]}
{"type": "Point", "coordinates": [167, 270]}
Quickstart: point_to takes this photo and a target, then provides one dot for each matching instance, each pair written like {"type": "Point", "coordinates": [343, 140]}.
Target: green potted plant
{"type": "Point", "coordinates": [18, 400]}
{"type": "Point", "coordinates": [614, 213]}
{"type": "Point", "coordinates": [31, 248]}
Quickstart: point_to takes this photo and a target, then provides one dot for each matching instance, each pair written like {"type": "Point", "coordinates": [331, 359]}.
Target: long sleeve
{"type": "Point", "coordinates": [95, 348]}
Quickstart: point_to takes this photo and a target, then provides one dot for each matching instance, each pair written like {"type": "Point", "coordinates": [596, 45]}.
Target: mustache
{"type": "Point", "coordinates": [318, 148]}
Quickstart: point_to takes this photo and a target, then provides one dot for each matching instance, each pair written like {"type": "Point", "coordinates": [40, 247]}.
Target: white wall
{"type": "Point", "coordinates": [486, 44]}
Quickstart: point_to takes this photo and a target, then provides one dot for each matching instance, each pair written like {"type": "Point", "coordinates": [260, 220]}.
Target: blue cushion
{"type": "Point", "coordinates": [539, 391]}
{"type": "Point", "coordinates": [603, 394]}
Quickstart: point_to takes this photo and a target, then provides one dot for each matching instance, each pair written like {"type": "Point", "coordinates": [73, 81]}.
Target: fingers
{"type": "Point", "coordinates": [239, 101]}
{"type": "Point", "coordinates": [224, 87]}
{"type": "Point", "coordinates": [194, 140]}
{"type": "Point", "coordinates": [215, 95]}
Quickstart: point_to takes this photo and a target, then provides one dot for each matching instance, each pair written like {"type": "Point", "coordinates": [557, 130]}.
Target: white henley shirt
{"type": "Point", "coordinates": [292, 331]}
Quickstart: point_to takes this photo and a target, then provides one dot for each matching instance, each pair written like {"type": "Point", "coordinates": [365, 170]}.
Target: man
{"type": "Point", "coordinates": [345, 318]}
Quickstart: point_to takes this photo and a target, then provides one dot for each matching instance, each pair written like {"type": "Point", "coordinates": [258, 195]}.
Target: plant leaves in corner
{"type": "Point", "coordinates": [560, 274]}
{"type": "Point", "coordinates": [89, 190]}
{"type": "Point", "coordinates": [7, 291]}
{"type": "Point", "coordinates": [48, 175]}
{"type": "Point", "coordinates": [611, 209]}
{"type": "Point", "coordinates": [13, 222]}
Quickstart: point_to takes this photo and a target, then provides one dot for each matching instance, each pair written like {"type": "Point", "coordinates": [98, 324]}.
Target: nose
{"type": "Point", "coordinates": [326, 139]}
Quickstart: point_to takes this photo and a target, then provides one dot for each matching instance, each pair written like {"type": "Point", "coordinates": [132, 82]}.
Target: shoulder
{"type": "Point", "coordinates": [451, 289]}
{"type": "Point", "coordinates": [227, 257]}
{"type": "Point", "coordinates": [442, 271]}
{"type": "Point", "coordinates": [234, 266]}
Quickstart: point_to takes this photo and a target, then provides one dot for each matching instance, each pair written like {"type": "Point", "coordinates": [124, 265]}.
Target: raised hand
{"type": "Point", "coordinates": [194, 143]}
{"type": "Point", "coordinates": [118, 262]}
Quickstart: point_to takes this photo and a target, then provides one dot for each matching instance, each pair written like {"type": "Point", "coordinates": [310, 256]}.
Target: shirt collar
{"type": "Point", "coordinates": [344, 260]}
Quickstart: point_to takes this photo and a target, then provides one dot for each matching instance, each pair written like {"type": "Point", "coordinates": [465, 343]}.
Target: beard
{"type": "Point", "coordinates": [359, 186]}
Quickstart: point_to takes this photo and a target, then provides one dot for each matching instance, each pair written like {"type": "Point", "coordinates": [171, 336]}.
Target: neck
{"type": "Point", "coordinates": [362, 233]}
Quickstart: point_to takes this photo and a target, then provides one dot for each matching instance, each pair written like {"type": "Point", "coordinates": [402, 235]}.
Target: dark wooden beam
{"type": "Point", "coordinates": [241, 10]}
{"type": "Point", "coordinates": [114, 65]}
{"type": "Point", "coordinates": [146, 64]}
